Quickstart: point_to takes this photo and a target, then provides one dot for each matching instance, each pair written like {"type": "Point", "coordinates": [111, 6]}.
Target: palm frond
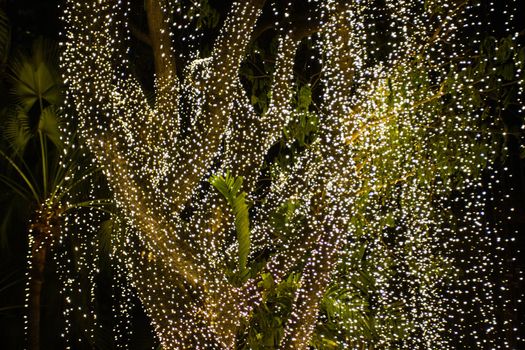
{"type": "Point", "coordinates": [8, 281]}
{"type": "Point", "coordinates": [35, 79]}
{"type": "Point", "coordinates": [45, 51]}
{"type": "Point", "coordinates": [63, 169]}
{"type": "Point", "coordinates": [25, 177]}
{"type": "Point", "coordinates": [49, 125]}
{"type": "Point", "coordinates": [61, 189]}
{"type": "Point", "coordinates": [15, 187]}
{"type": "Point", "coordinates": [17, 131]}
{"type": "Point", "coordinates": [4, 227]}
{"type": "Point", "coordinates": [100, 204]}
{"type": "Point", "coordinates": [5, 37]}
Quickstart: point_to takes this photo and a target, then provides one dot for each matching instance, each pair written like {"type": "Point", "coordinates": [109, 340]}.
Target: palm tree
{"type": "Point", "coordinates": [44, 159]}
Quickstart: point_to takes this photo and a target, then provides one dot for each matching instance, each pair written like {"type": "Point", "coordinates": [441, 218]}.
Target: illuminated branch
{"type": "Point", "coordinates": [219, 79]}
{"type": "Point", "coordinates": [169, 315]}
{"type": "Point", "coordinates": [329, 180]}
{"type": "Point", "coordinates": [230, 48]}
{"type": "Point", "coordinates": [159, 33]}
{"type": "Point", "coordinates": [315, 278]}
{"type": "Point", "coordinates": [122, 149]}
{"type": "Point", "coordinates": [161, 236]}
{"type": "Point", "coordinates": [167, 84]}
{"type": "Point", "coordinates": [342, 49]}
{"type": "Point", "coordinates": [251, 135]}
{"type": "Point", "coordinates": [280, 108]}
{"type": "Point", "coordinates": [243, 153]}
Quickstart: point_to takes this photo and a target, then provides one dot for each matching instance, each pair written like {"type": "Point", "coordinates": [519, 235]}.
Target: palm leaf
{"type": "Point", "coordinates": [242, 226]}
{"type": "Point", "coordinates": [8, 281]}
{"type": "Point", "coordinates": [35, 79]}
{"type": "Point", "coordinates": [4, 228]}
{"type": "Point", "coordinates": [49, 125]}
{"type": "Point", "coordinates": [5, 37]}
{"type": "Point", "coordinates": [27, 178]}
{"type": "Point", "coordinates": [17, 131]}
{"type": "Point", "coordinates": [13, 185]}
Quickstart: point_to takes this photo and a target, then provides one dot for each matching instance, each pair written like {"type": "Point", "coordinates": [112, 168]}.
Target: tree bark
{"type": "Point", "coordinates": [38, 262]}
{"type": "Point", "coordinates": [153, 181]}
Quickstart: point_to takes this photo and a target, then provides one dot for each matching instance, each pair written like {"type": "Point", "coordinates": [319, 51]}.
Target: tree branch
{"type": "Point", "coordinates": [252, 136]}
{"type": "Point", "coordinates": [169, 315]}
{"type": "Point", "coordinates": [341, 50]}
{"type": "Point", "coordinates": [167, 83]}
{"type": "Point", "coordinates": [230, 47]}
{"type": "Point", "coordinates": [111, 108]}
{"type": "Point", "coordinates": [215, 81]}
{"type": "Point", "coordinates": [314, 281]}
{"type": "Point", "coordinates": [155, 230]}
{"type": "Point", "coordinates": [332, 178]}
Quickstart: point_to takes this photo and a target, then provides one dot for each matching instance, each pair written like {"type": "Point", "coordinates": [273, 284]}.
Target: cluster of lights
{"type": "Point", "coordinates": [372, 174]}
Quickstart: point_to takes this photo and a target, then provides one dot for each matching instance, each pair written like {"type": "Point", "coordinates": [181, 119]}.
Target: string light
{"type": "Point", "coordinates": [391, 148]}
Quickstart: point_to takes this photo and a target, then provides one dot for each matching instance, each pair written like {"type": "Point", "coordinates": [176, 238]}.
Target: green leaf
{"type": "Point", "coordinates": [49, 125]}
{"type": "Point", "coordinates": [504, 51]}
{"type": "Point", "coordinates": [26, 177]}
{"type": "Point", "coordinates": [230, 187]}
{"type": "Point", "coordinates": [305, 98]}
{"type": "Point", "coordinates": [266, 281]}
{"type": "Point", "coordinates": [17, 131]}
{"type": "Point", "coordinates": [35, 79]}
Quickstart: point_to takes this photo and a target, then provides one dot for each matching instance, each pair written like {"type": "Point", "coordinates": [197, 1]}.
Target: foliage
{"type": "Point", "coordinates": [5, 37]}
{"type": "Point", "coordinates": [353, 307]}
{"type": "Point", "coordinates": [363, 167]}
{"type": "Point", "coordinates": [412, 147]}
{"type": "Point", "coordinates": [267, 326]}
{"type": "Point", "coordinates": [48, 173]}
{"type": "Point", "coordinates": [205, 14]}
{"type": "Point", "coordinates": [230, 186]}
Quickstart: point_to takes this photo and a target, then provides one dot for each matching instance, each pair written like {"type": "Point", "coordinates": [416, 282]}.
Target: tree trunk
{"type": "Point", "coordinates": [38, 262]}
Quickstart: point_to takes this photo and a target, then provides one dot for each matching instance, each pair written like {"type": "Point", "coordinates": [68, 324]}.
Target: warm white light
{"type": "Point", "coordinates": [389, 152]}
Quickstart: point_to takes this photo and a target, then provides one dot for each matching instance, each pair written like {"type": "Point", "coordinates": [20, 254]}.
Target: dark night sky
{"type": "Point", "coordinates": [32, 18]}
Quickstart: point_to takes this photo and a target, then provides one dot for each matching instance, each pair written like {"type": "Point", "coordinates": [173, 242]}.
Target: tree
{"type": "Point", "coordinates": [205, 248]}
{"type": "Point", "coordinates": [42, 173]}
